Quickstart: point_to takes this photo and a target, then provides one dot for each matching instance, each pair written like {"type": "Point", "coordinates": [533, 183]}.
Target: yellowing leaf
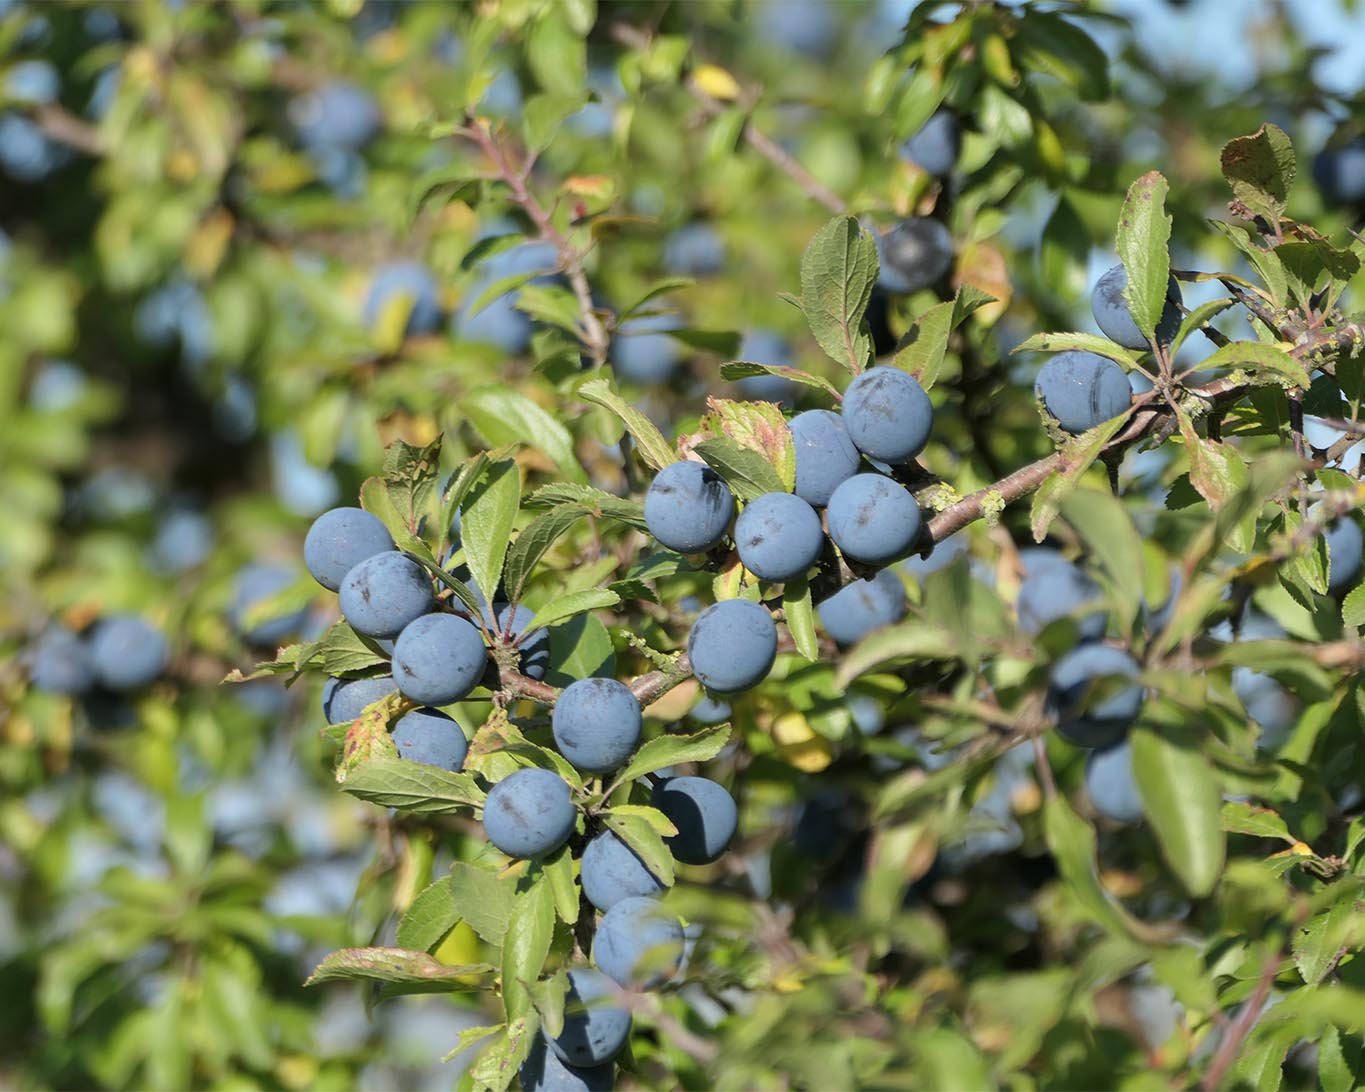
{"type": "Point", "coordinates": [716, 82]}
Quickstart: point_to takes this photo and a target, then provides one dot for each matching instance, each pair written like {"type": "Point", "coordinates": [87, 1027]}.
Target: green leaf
{"type": "Point", "coordinates": [580, 649]}
{"type": "Point", "coordinates": [542, 116]}
{"type": "Point", "coordinates": [1144, 235]}
{"type": "Point", "coordinates": [745, 471]}
{"type": "Point", "coordinates": [1239, 817]}
{"type": "Point", "coordinates": [535, 539]}
{"type": "Point", "coordinates": [1260, 168]}
{"type": "Point", "coordinates": [641, 835]}
{"type": "Point", "coordinates": [1341, 1066]}
{"type": "Point", "coordinates": [413, 787]}
{"type": "Point", "coordinates": [530, 928]}
{"type": "Point", "coordinates": [594, 502]}
{"type": "Point", "coordinates": [560, 610]}
{"type": "Point", "coordinates": [1090, 343]}
{"type": "Point", "coordinates": [429, 918]}
{"type": "Point", "coordinates": [486, 523]}
{"type": "Point", "coordinates": [1197, 319]}
{"type": "Point", "coordinates": [343, 653]}
{"type": "Point", "coordinates": [1071, 841]}
{"type": "Point", "coordinates": [1183, 804]}
{"type": "Point", "coordinates": [758, 427]}
{"type": "Point", "coordinates": [653, 448]}
{"type": "Point", "coordinates": [1257, 356]}
{"type": "Point", "coordinates": [1219, 473]}
{"type": "Point", "coordinates": [1076, 458]}
{"type": "Point", "coordinates": [552, 304]}
{"type": "Point", "coordinates": [911, 641]}
{"type": "Point", "coordinates": [1353, 607]}
{"type": "Point", "coordinates": [922, 347]}
{"type": "Point", "coordinates": [673, 750]}
{"type": "Point", "coordinates": [559, 876]}
{"type": "Point", "coordinates": [1107, 529]}
{"type": "Point", "coordinates": [557, 54]}
{"type": "Point", "coordinates": [1049, 43]}
{"type": "Point", "coordinates": [505, 416]}
{"type": "Point", "coordinates": [394, 965]}
{"type": "Point", "coordinates": [1328, 935]}
{"type": "Point", "coordinates": [497, 1066]}
{"type": "Point", "coordinates": [741, 369]}
{"type": "Point", "coordinates": [654, 291]}
{"type": "Point", "coordinates": [838, 270]}
{"type": "Point", "coordinates": [483, 899]}
{"type": "Point", "coordinates": [800, 617]}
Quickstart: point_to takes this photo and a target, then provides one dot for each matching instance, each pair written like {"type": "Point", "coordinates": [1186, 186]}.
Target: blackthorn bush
{"type": "Point", "coordinates": [1111, 311]}
{"type": "Point", "coordinates": [612, 871]}
{"type": "Point", "coordinates": [704, 813]}
{"type": "Point", "coordinates": [638, 944]}
{"type": "Point", "coordinates": [595, 1030]}
{"type": "Point", "coordinates": [345, 699]}
{"type": "Point", "coordinates": [431, 737]}
{"type": "Point", "coordinates": [861, 606]}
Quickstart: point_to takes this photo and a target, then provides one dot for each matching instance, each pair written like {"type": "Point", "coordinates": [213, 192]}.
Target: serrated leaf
{"type": "Point", "coordinates": [654, 291]}
{"type": "Point", "coordinates": [343, 653]}
{"type": "Point", "coordinates": [413, 787]}
{"type": "Point", "coordinates": [496, 1068]}
{"type": "Point", "coordinates": [758, 427]}
{"type": "Point", "coordinates": [429, 918]}
{"type": "Point", "coordinates": [800, 617]}
{"type": "Point", "coordinates": [1073, 461]}
{"type": "Point", "coordinates": [642, 837]}
{"type": "Point", "coordinates": [1143, 244]}
{"type": "Point", "coordinates": [838, 270]}
{"type": "Point", "coordinates": [594, 502]}
{"type": "Point", "coordinates": [542, 116]}
{"type": "Point", "coordinates": [746, 472]}
{"type": "Point", "coordinates": [1260, 168]}
{"type": "Point", "coordinates": [1106, 527]}
{"type": "Point", "coordinates": [530, 928]}
{"type": "Point", "coordinates": [1197, 319]}
{"type": "Point", "coordinates": [1090, 343]}
{"type": "Point", "coordinates": [1257, 356]}
{"type": "Point", "coordinates": [483, 899]}
{"type": "Point", "coordinates": [1181, 799]}
{"type": "Point", "coordinates": [505, 416]}
{"type": "Point", "coordinates": [673, 750]}
{"type": "Point", "coordinates": [560, 610]}
{"type": "Point", "coordinates": [1333, 932]}
{"type": "Point", "coordinates": [649, 441]}
{"type": "Point", "coordinates": [366, 739]}
{"type": "Point", "coordinates": [923, 346]}
{"type": "Point", "coordinates": [1353, 607]}
{"type": "Point", "coordinates": [486, 523]}
{"type": "Point", "coordinates": [742, 369]}
{"type": "Point", "coordinates": [1239, 817]}
{"type": "Point", "coordinates": [535, 539]}
{"type": "Point", "coordinates": [410, 476]}
{"type": "Point", "coordinates": [393, 965]}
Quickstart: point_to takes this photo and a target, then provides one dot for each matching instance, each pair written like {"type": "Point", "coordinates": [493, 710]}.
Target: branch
{"type": "Point", "coordinates": [66, 128]}
{"type": "Point", "coordinates": [1251, 1012]}
{"type": "Point", "coordinates": [593, 334]}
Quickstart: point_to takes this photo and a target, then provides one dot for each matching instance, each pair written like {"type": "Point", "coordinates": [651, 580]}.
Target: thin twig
{"type": "Point", "coordinates": [1251, 1012]}
{"type": "Point", "coordinates": [66, 128]}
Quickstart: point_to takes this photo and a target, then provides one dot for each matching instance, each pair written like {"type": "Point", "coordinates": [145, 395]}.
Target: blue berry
{"type": "Point", "coordinates": [873, 519]}
{"type": "Point", "coordinates": [345, 699]}
{"type": "Point", "coordinates": [1082, 390]}
{"type": "Point", "coordinates": [341, 539]}
{"type": "Point", "coordinates": [60, 662]}
{"type": "Point", "coordinates": [1111, 311]}
{"type": "Point", "coordinates": [384, 593]}
{"type": "Point", "coordinates": [438, 659]}
{"type": "Point", "coordinates": [543, 1071]}
{"type": "Point", "coordinates": [914, 254]}
{"type": "Point", "coordinates": [412, 282]}
{"type": "Point", "coordinates": [1109, 783]}
{"type": "Point", "coordinates": [643, 353]}
{"type": "Point", "coordinates": [127, 653]}
{"type": "Point", "coordinates": [778, 536]}
{"type": "Point", "coordinates": [336, 115]}
{"type": "Point", "coordinates": [935, 146]}
{"type": "Point", "coordinates": [432, 738]}
{"type": "Point", "coordinates": [596, 724]}
{"type": "Point", "coordinates": [710, 711]}
{"type": "Point", "coordinates": [688, 507]}
{"type": "Point", "coordinates": [255, 584]}
{"type": "Point", "coordinates": [861, 606]}
{"type": "Point", "coordinates": [704, 813]}
{"type": "Point", "coordinates": [594, 1030]}
{"type": "Point", "coordinates": [888, 415]}
{"type": "Point", "coordinates": [1340, 173]}
{"type": "Point", "coordinates": [825, 456]}
{"type": "Point", "coordinates": [529, 813]}
{"type": "Point", "coordinates": [612, 871]}
{"type": "Point", "coordinates": [694, 250]}
{"type": "Point", "coordinates": [1059, 591]}
{"type": "Point", "coordinates": [1094, 723]}
{"type": "Point", "coordinates": [1344, 550]}
{"type": "Point", "coordinates": [732, 646]}
{"type": "Point", "coordinates": [639, 944]}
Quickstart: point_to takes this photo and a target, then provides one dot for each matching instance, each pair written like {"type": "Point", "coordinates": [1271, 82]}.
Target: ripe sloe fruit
{"type": "Point", "coordinates": [341, 539]}
{"type": "Point", "coordinates": [825, 456]}
{"type": "Point", "coordinates": [1098, 723]}
{"type": "Point", "coordinates": [595, 1029]}
{"type": "Point", "coordinates": [873, 519]}
{"type": "Point", "coordinates": [59, 662]}
{"type": "Point", "coordinates": [709, 710]}
{"type": "Point", "coordinates": [732, 646]}
{"type": "Point", "coordinates": [1110, 784]}
{"type": "Point", "coordinates": [384, 593]}
{"type": "Point", "coordinates": [413, 282]}
{"type": "Point", "coordinates": [596, 724]}
{"type": "Point", "coordinates": [529, 813]}
{"type": "Point", "coordinates": [255, 584]}
{"type": "Point", "coordinates": [914, 254]}
{"type": "Point", "coordinates": [644, 353]}
{"type": "Point", "coordinates": [861, 606]}
{"type": "Point", "coordinates": [694, 250]}
{"type": "Point", "coordinates": [336, 115]}
{"type": "Point", "coordinates": [612, 871]}
{"type": "Point", "coordinates": [127, 653]}
{"type": "Point", "coordinates": [543, 1071]}
{"type": "Point", "coordinates": [639, 944]}
{"type": "Point", "coordinates": [688, 507]}
{"type": "Point", "coordinates": [704, 813]}
{"type": "Point", "coordinates": [888, 415]}
{"type": "Point", "coordinates": [1058, 591]}
{"type": "Point", "coordinates": [345, 699]}
{"type": "Point", "coordinates": [1081, 390]}
{"type": "Point", "coordinates": [934, 148]}
{"type": "Point", "coordinates": [778, 536]}
{"type": "Point", "coordinates": [438, 659]}
{"type": "Point", "coordinates": [1344, 550]}
{"type": "Point", "coordinates": [1340, 173]}
{"type": "Point", "coordinates": [432, 738]}
{"type": "Point", "coordinates": [1111, 311]}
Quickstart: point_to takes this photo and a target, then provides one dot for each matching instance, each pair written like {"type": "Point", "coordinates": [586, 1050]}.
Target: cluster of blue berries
{"type": "Point", "coordinates": [118, 654]}
{"type": "Point", "coordinates": [438, 657]}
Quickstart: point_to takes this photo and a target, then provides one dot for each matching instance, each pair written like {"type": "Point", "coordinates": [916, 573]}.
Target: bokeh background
{"type": "Point", "coordinates": [205, 211]}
